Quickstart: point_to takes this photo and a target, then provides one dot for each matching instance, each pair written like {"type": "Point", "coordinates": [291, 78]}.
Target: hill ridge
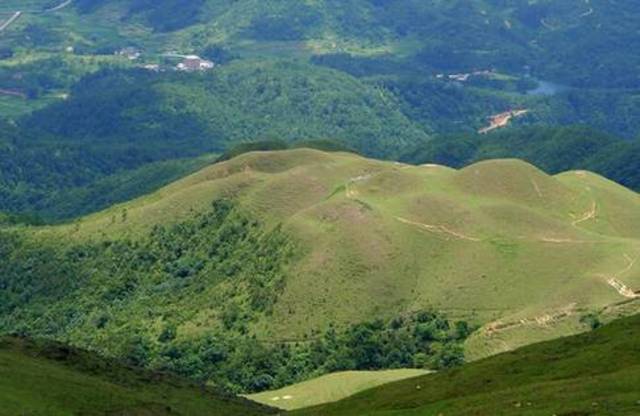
{"type": "Point", "coordinates": [375, 238]}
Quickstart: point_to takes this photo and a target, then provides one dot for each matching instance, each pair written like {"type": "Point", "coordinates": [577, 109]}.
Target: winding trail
{"type": "Point", "coordinates": [587, 13]}
{"type": "Point", "coordinates": [537, 188]}
{"type": "Point", "coordinates": [12, 19]}
{"type": "Point", "coordinates": [439, 229]}
{"type": "Point", "coordinates": [619, 286]}
{"type": "Point", "coordinates": [59, 7]}
{"type": "Point", "coordinates": [352, 193]}
{"type": "Point", "coordinates": [589, 215]}
{"type": "Point", "coordinates": [543, 320]}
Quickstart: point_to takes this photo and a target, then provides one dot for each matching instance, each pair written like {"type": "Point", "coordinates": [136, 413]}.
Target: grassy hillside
{"type": "Point", "coordinates": [590, 374]}
{"type": "Point", "coordinates": [43, 378]}
{"type": "Point", "coordinates": [553, 149]}
{"type": "Point", "coordinates": [330, 388]}
{"type": "Point", "coordinates": [301, 244]}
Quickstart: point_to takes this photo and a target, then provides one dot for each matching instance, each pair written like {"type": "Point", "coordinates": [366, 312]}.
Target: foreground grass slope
{"type": "Point", "coordinates": [331, 388]}
{"type": "Point", "coordinates": [590, 374]}
{"type": "Point", "coordinates": [49, 379]}
{"type": "Point", "coordinates": [326, 240]}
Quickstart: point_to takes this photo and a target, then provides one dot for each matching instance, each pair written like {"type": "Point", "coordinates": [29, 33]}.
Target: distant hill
{"type": "Point", "coordinates": [553, 149]}
{"type": "Point", "coordinates": [54, 379]}
{"type": "Point", "coordinates": [135, 131]}
{"type": "Point", "coordinates": [590, 374]}
{"type": "Point", "coordinates": [179, 115]}
{"type": "Point", "coordinates": [561, 41]}
{"type": "Point", "coordinates": [369, 73]}
{"type": "Point", "coordinates": [300, 244]}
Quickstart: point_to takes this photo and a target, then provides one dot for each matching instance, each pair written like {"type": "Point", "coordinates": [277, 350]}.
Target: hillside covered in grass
{"type": "Point", "coordinates": [331, 387]}
{"type": "Point", "coordinates": [45, 378]}
{"type": "Point", "coordinates": [553, 149]}
{"type": "Point", "coordinates": [274, 267]}
{"type": "Point", "coordinates": [590, 374]}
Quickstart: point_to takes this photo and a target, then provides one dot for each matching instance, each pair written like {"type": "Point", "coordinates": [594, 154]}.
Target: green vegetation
{"type": "Point", "coordinates": [58, 179]}
{"type": "Point", "coordinates": [196, 113]}
{"type": "Point", "coordinates": [271, 145]}
{"type": "Point", "coordinates": [591, 374]}
{"type": "Point", "coordinates": [307, 258]}
{"type": "Point", "coordinates": [46, 378]}
{"type": "Point", "coordinates": [279, 280]}
{"type": "Point", "coordinates": [331, 388]}
{"type": "Point", "coordinates": [366, 73]}
{"type": "Point", "coordinates": [121, 126]}
{"type": "Point", "coordinates": [554, 150]}
{"type": "Point", "coordinates": [219, 270]}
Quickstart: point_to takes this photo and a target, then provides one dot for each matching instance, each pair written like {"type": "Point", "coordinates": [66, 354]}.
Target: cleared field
{"type": "Point", "coordinates": [330, 388]}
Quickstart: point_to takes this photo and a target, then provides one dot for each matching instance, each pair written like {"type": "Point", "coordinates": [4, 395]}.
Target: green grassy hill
{"type": "Point", "coordinates": [44, 378]}
{"type": "Point", "coordinates": [331, 388]}
{"type": "Point", "coordinates": [553, 149]}
{"type": "Point", "coordinates": [590, 374]}
{"type": "Point", "coordinates": [301, 242]}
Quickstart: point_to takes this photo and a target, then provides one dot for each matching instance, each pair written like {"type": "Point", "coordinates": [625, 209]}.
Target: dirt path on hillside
{"type": "Point", "coordinates": [555, 240]}
{"type": "Point", "coordinates": [615, 282]}
{"type": "Point", "coordinates": [438, 229]}
{"type": "Point", "coordinates": [541, 320]}
{"type": "Point", "coordinates": [59, 7]}
{"type": "Point", "coordinates": [12, 19]}
{"type": "Point", "coordinates": [352, 193]}
{"type": "Point", "coordinates": [536, 187]}
{"type": "Point", "coordinates": [589, 215]}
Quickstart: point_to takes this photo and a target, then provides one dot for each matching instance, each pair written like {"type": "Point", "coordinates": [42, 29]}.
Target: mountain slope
{"type": "Point", "coordinates": [591, 374]}
{"type": "Point", "coordinates": [189, 114]}
{"type": "Point", "coordinates": [52, 379]}
{"type": "Point", "coordinates": [331, 388]}
{"type": "Point", "coordinates": [553, 149]}
{"type": "Point", "coordinates": [300, 242]}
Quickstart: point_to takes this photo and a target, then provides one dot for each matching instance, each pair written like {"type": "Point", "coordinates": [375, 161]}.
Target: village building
{"type": "Point", "coordinates": [194, 63]}
{"type": "Point", "coordinates": [152, 67]}
{"type": "Point", "coordinates": [130, 53]}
